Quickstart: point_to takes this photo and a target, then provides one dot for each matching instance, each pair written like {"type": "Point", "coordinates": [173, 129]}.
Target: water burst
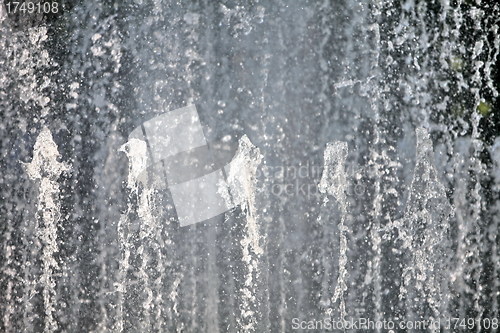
{"type": "Point", "coordinates": [45, 168]}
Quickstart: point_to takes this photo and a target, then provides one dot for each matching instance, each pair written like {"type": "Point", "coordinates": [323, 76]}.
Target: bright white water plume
{"type": "Point", "coordinates": [45, 169]}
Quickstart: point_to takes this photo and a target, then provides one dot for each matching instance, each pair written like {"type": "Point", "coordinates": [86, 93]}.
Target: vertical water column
{"type": "Point", "coordinates": [495, 251]}
{"type": "Point", "coordinates": [106, 100]}
{"type": "Point", "coordinates": [377, 159]}
{"type": "Point", "coordinates": [213, 92]}
{"type": "Point", "coordinates": [147, 229]}
{"type": "Point", "coordinates": [108, 178]}
{"type": "Point", "coordinates": [455, 53]}
{"type": "Point", "coordinates": [485, 56]}
{"type": "Point", "coordinates": [45, 169]}
{"type": "Point", "coordinates": [136, 151]}
{"type": "Point", "coordinates": [321, 274]}
{"type": "Point", "coordinates": [241, 180]}
{"type": "Point", "coordinates": [452, 84]}
{"type": "Point", "coordinates": [193, 290]}
{"type": "Point", "coordinates": [482, 54]}
{"type": "Point", "coordinates": [263, 102]}
{"type": "Point", "coordinates": [8, 274]}
{"type": "Point", "coordinates": [270, 96]}
{"type": "Point", "coordinates": [25, 97]}
{"type": "Point", "coordinates": [460, 273]}
{"type": "Point", "coordinates": [334, 182]}
{"type": "Point", "coordinates": [178, 160]}
{"type": "Point", "coordinates": [143, 239]}
{"type": "Point", "coordinates": [477, 167]}
{"type": "Point", "coordinates": [423, 232]}
{"type": "Point", "coordinates": [91, 108]}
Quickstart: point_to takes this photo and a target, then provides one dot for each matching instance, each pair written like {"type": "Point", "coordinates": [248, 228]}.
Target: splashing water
{"type": "Point", "coordinates": [334, 182]}
{"type": "Point", "coordinates": [241, 181]}
{"type": "Point", "coordinates": [424, 231]}
{"type": "Point", "coordinates": [46, 169]}
{"type": "Point", "coordinates": [403, 225]}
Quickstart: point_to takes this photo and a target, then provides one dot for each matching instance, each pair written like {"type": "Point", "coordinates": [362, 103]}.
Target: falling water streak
{"type": "Point", "coordinates": [373, 93]}
{"type": "Point", "coordinates": [123, 265]}
{"type": "Point", "coordinates": [267, 231]}
{"type": "Point", "coordinates": [136, 151]}
{"type": "Point", "coordinates": [415, 91]}
{"type": "Point", "coordinates": [423, 232]}
{"type": "Point", "coordinates": [422, 62]}
{"type": "Point", "coordinates": [211, 311]}
{"type": "Point", "coordinates": [46, 169]}
{"type": "Point", "coordinates": [324, 269]}
{"type": "Point", "coordinates": [103, 323]}
{"type": "Point", "coordinates": [173, 296]}
{"type": "Point", "coordinates": [158, 283]}
{"type": "Point", "coordinates": [458, 20]}
{"type": "Point", "coordinates": [375, 238]}
{"type": "Point", "coordinates": [35, 53]}
{"type": "Point", "coordinates": [282, 260]}
{"type": "Point", "coordinates": [103, 43]}
{"type": "Point", "coordinates": [495, 252]}
{"type": "Point", "coordinates": [457, 51]}
{"type": "Point", "coordinates": [72, 274]}
{"type": "Point", "coordinates": [146, 229]}
{"type": "Point", "coordinates": [325, 82]}
{"type": "Point", "coordinates": [192, 57]}
{"type": "Point", "coordinates": [106, 178]}
{"type": "Point", "coordinates": [241, 179]}
{"type": "Point", "coordinates": [494, 51]}
{"type": "Point", "coordinates": [469, 233]}
{"type": "Point", "coordinates": [7, 249]}
{"type": "Point", "coordinates": [477, 166]}
{"type": "Point", "coordinates": [9, 308]}
{"type": "Point", "coordinates": [448, 46]}
{"type": "Point", "coordinates": [29, 276]}
{"type": "Point", "coordinates": [9, 275]}
{"type": "Point", "coordinates": [24, 56]}
{"type": "Point", "coordinates": [334, 182]}
{"type": "Point", "coordinates": [154, 239]}
{"type": "Point", "coordinates": [460, 162]}
{"type": "Point", "coordinates": [281, 268]}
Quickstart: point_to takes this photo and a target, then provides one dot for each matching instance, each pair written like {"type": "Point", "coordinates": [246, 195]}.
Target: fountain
{"type": "Point", "coordinates": [250, 167]}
